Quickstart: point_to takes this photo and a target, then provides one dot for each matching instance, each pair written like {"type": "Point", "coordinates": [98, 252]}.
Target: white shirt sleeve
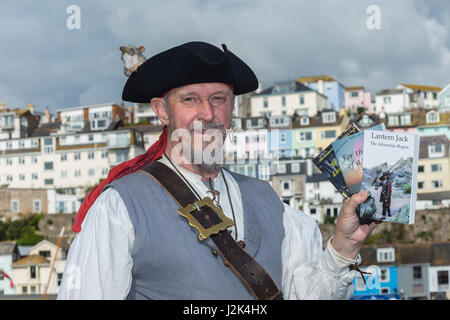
{"type": "Point", "coordinates": [100, 259]}
{"type": "Point", "coordinates": [308, 271]}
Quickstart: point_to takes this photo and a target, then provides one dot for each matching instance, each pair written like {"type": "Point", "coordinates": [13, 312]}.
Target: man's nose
{"type": "Point", "coordinates": [206, 111]}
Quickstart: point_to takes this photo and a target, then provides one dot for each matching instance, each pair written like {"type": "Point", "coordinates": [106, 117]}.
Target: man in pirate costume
{"type": "Point", "coordinates": [148, 231]}
{"type": "Point", "coordinates": [386, 192]}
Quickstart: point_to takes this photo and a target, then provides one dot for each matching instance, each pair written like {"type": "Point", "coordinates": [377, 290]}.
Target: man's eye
{"type": "Point", "coordinates": [189, 99]}
{"type": "Point", "coordinates": [218, 99]}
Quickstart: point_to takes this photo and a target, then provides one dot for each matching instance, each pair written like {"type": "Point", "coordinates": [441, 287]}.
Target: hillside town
{"type": "Point", "coordinates": [50, 162]}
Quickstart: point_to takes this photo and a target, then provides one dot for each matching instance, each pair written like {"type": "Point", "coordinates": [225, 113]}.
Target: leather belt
{"type": "Point", "coordinates": [248, 270]}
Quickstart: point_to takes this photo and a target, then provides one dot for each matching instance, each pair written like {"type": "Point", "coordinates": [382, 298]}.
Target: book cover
{"type": "Point", "coordinates": [349, 156]}
{"type": "Point", "coordinates": [389, 175]}
{"type": "Point", "coordinates": [327, 163]}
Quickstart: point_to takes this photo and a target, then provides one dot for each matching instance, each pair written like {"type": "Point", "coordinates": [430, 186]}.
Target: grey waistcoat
{"type": "Point", "coordinates": [168, 260]}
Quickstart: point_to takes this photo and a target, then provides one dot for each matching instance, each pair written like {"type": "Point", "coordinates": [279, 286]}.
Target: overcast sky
{"type": "Point", "coordinates": [45, 63]}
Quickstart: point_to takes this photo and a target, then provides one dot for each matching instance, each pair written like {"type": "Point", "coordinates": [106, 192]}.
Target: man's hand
{"type": "Point", "coordinates": [349, 235]}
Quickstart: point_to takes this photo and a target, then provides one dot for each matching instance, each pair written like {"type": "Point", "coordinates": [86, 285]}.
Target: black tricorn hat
{"type": "Point", "coordinates": [189, 63]}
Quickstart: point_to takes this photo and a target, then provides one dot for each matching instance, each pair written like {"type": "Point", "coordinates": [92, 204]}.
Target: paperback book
{"type": "Point", "coordinates": [327, 163]}
{"type": "Point", "coordinates": [348, 153]}
{"type": "Point", "coordinates": [389, 175]}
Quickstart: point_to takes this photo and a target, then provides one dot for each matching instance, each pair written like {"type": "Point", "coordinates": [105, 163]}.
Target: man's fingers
{"type": "Point", "coordinates": [357, 199]}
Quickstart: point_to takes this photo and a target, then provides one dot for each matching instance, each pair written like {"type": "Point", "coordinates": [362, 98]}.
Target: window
{"type": "Point", "coordinates": [34, 176]}
{"type": "Point", "coordinates": [329, 117]}
{"type": "Point", "coordinates": [15, 206]}
{"type": "Point", "coordinates": [9, 178]}
{"type": "Point", "coordinates": [59, 277]}
{"type": "Point", "coordinates": [384, 275]}
{"type": "Point", "coordinates": [21, 160]}
{"type": "Point", "coordinates": [295, 167]}
{"type": "Point", "coordinates": [281, 168]}
{"type": "Point", "coordinates": [386, 255]}
{"type": "Point", "coordinates": [64, 157]}
{"type": "Point", "coordinates": [283, 138]}
{"type": "Point", "coordinates": [121, 155]}
{"type": "Point", "coordinates": [384, 290]}
{"type": "Point", "coordinates": [77, 173]}
{"type": "Point", "coordinates": [393, 120]}
{"type": "Point", "coordinates": [48, 165]}
{"type": "Point", "coordinates": [436, 167]}
{"type": "Point", "coordinates": [9, 161]}
{"type": "Point", "coordinates": [34, 159]}
{"type": "Point", "coordinates": [302, 100]}
{"type": "Point", "coordinates": [105, 171]}
{"type": "Point", "coordinates": [287, 185]}
{"type": "Point", "coordinates": [283, 101]}
{"type": "Point", "coordinates": [420, 185]}
{"type": "Point", "coordinates": [33, 272]}
{"type": "Point", "coordinates": [305, 136]}
{"type": "Point", "coordinates": [405, 119]}
{"type": "Point", "coordinates": [442, 278]}
{"type": "Point", "coordinates": [24, 290]}
{"type": "Point", "coordinates": [105, 154]}
{"type": "Point", "coordinates": [436, 150]}
{"type": "Point", "coordinates": [91, 137]}
{"type": "Point", "coordinates": [37, 206]}
{"type": "Point", "coordinates": [328, 134]}
{"type": "Point", "coordinates": [387, 99]}
{"type": "Point", "coordinates": [45, 253]}
{"type": "Point", "coordinates": [91, 172]}
{"type": "Point", "coordinates": [64, 174]}
{"type": "Point", "coordinates": [77, 156]}
{"type": "Point", "coordinates": [48, 181]}
{"type": "Point", "coordinates": [436, 184]}
{"type": "Point", "coordinates": [21, 177]}
{"type": "Point", "coordinates": [355, 94]}
{"type": "Point", "coordinates": [417, 272]}
{"type": "Point", "coordinates": [304, 121]}
{"type": "Point", "coordinates": [313, 211]}
{"type": "Point", "coordinates": [91, 155]}
{"type": "Point", "coordinates": [421, 169]}
{"type": "Point", "coordinates": [432, 117]}
{"type": "Point", "coordinates": [33, 289]}
{"type": "Point", "coordinates": [265, 102]}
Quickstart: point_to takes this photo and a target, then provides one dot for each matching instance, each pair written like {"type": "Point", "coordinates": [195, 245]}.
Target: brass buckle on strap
{"type": "Point", "coordinates": [204, 233]}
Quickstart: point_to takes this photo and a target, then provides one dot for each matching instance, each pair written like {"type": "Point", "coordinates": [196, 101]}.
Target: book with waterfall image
{"type": "Point", "coordinates": [327, 163]}
{"type": "Point", "coordinates": [349, 156]}
{"type": "Point", "coordinates": [389, 175]}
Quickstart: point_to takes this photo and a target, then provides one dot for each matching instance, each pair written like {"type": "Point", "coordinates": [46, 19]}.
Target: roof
{"type": "Point", "coordinates": [7, 247]}
{"type": "Point", "coordinates": [285, 87]}
{"type": "Point", "coordinates": [389, 91]}
{"type": "Point", "coordinates": [436, 254]}
{"type": "Point", "coordinates": [317, 121]}
{"type": "Point", "coordinates": [421, 87]}
{"type": "Point", "coordinates": [426, 141]}
{"type": "Point", "coordinates": [24, 250]}
{"type": "Point", "coordinates": [145, 127]}
{"type": "Point", "coordinates": [316, 78]}
{"type": "Point", "coordinates": [33, 259]}
{"type": "Point", "coordinates": [354, 88]}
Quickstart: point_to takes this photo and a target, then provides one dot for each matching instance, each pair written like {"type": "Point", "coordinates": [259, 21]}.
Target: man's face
{"type": "Point", "coordinates": [204, 111]}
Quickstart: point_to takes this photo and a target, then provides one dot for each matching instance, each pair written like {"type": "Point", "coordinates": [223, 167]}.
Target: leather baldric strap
{"type": "Point", "coordinates": [249, 271]}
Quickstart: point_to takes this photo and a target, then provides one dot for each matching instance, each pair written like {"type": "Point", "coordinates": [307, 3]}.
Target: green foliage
{"type": "Point", "coordinates": [406, 188]}
{"type": "Point", "coordinates": [22, 230]}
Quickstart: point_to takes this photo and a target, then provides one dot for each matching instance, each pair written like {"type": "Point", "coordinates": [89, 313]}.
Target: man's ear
{"type": "Point", "coordinates": [159, 107]}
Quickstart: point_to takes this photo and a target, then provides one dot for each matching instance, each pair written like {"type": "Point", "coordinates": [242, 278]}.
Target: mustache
{"type": "Point", "coordinates": [207, 126]}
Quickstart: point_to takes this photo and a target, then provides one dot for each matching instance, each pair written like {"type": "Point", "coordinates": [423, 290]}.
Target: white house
{"type": "Point", "coordinates": [9, 253]}
{"type": "Point", "coordinates": [31, 273]}
{"type": "Point", "coordinates": [287, 98]}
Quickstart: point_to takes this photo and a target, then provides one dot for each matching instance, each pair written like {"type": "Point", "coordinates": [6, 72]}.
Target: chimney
{"type": "Point", "coordinates": [320, 86]}
{"type": "Point", "coordinates": [47, 116]}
